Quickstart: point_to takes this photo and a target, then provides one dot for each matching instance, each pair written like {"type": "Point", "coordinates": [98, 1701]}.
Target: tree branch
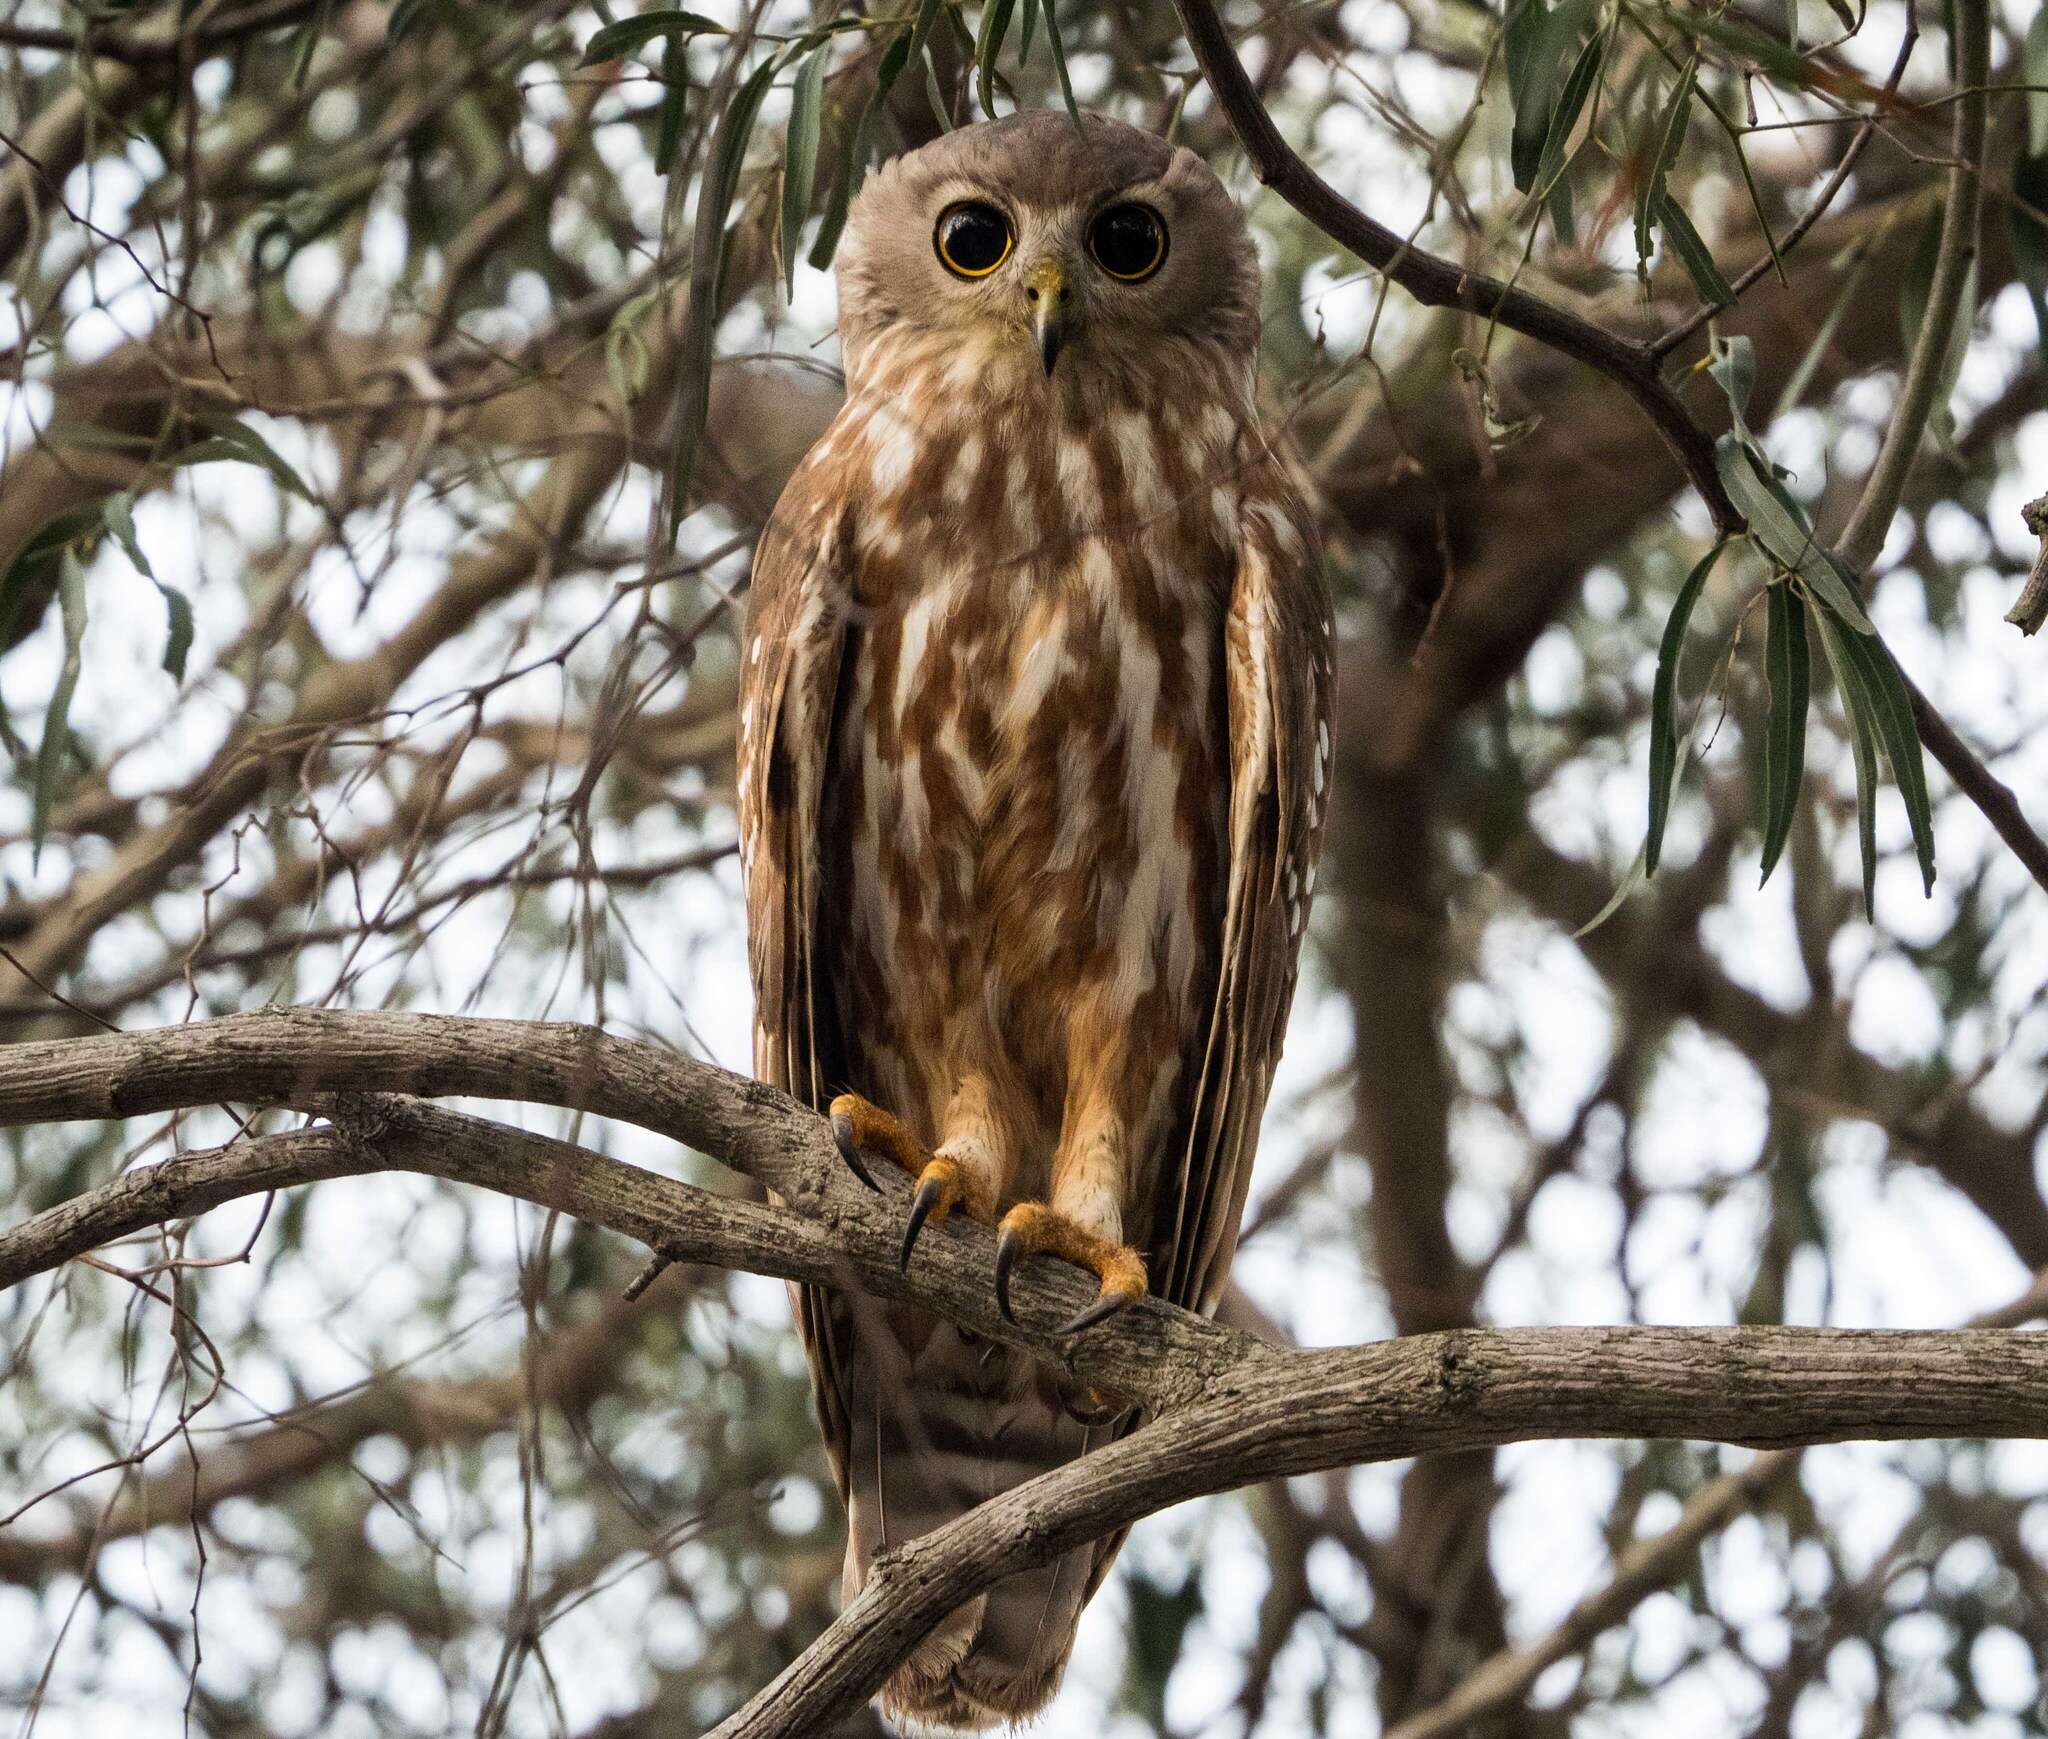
{"type": "Point", "coordinates": [1862, 539]}
{"type": "Point", "coordinates": [1440, 283]}
{"type": "Point", "coordinates": [1298, 1412]}
{"type": "Point", "coordinates": [1635, 367]}
{"type": "Point", "coordinates": [1234, 1410]}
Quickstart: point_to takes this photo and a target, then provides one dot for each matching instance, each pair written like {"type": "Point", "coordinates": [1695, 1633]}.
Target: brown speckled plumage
{"type": "Point", "coordinates": [1034, 745]}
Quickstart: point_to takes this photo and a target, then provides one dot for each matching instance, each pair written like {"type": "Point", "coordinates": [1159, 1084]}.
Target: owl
{"type": "Point", "coordinates": [1034, 738]}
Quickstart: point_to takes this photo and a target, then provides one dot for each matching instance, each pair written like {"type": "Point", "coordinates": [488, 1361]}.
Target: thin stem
{"type": "Point", "coordinates": [1862, 538]}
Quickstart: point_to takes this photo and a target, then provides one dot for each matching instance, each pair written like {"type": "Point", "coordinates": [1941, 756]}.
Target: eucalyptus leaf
{"type": "Point", "coordinates": [621, 40]}
{"type": "Point", "coordinates": [1538, 39]}
{"type": "Point", "coordinates": [675, 97]}
{"type": "Point", "coordinates": [1058, 50]}
{"type": "Point", "coordinates": [853, 163]}
{"type": "Point", "coordinates": [1670, 134]}
{"type": "Point", "coordinates": [1664, 707]}
{"type": "Point", "coordinates": [988, 44]}
{"type": "Point", "coordinates": [1551, 175]}
{"type": "Point", "coordinates": [1693, 253]}
{"type": "Point", "coordinates": [714, 200]}
{"type": "Point", "coordinates": [229, 439]}
{"type": "Point", "coordinates": [1862, 749]}
{"type": "Point", "coordinates": [1789, 670]}
{"type": "Point", "coordinates": [119, 513]}
{"type": "Point", "coordinates": [1780, 525]}
{"type": "Point", "coordinates": [1733, 367]}
{"type": "Point", "coordinates": [1884, 687]}
{"type": "Point", "coordinates": [178, 639]}
{"type": "Point", "coordinates": [56, 727]}
{"type": "Point", "coordinates": [800, 156]}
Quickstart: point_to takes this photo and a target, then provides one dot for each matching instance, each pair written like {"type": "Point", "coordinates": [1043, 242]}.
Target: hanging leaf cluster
{"type": "Point", "coordinates": [1809, 588]}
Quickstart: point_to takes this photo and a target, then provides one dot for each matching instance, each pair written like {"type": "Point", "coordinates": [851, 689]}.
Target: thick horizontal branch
{"type": "Point", "coordinates": [1298, 1412]}
{"type": "Point", "coordinates": [840, 1232]}
{"type": "Point", "coordinates": [1236, 1410]}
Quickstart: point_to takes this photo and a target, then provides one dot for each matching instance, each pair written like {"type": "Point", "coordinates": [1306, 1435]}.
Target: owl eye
{"type": "Point", "coordinates": [1128, 242]}
{"type": "Point", "coordinates": [972, 239]}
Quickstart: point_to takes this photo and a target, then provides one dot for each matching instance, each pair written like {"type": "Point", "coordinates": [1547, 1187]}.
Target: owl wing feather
{"type": "Point", "coordinates": [1278, 682]}
{"type": "Point", "coordinates": [791, 652]}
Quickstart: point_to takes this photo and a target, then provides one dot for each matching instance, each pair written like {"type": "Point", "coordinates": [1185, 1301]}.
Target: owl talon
{"type": "Point", "coordinates": [1100, 1311]}
{"type": "Point", "coordinates": [1031, 1228]}
{"type": "Point", "coordinates": [849, 1150]}
{"type": "Point", "coordinates": [861, 1127]}
{"type": "Point", "coordinates": [938, 1193]}
{"type": "Point", "coordinates": [1009, 1246]}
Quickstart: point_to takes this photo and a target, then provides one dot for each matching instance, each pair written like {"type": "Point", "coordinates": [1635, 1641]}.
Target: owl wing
{"type": "Point", "coordinates": [1278, 679]}
{"type": "Point", "coordinates": [797, 610]}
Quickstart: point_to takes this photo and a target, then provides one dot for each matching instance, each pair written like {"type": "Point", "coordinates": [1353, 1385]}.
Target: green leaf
{"type": "Point", "coordinates": [1664, 707]}
{"type": "Point", "coordinates": [1801, 377]}
{"type": "Point", "coordinates": [1670, 134]}
{"type": "Point", "coordinates": [1781, 61]}
{"type": "Point", "coordinates": [1693, 253]}
{"type": "Point", "coordinates": [1027, 25]}
{"type": "Point", "coordinates": [1058, 50]}
{"type": "Point", "coordinates": [178, 643]}
{"type": "Point", "coordinates": [71, 598]}
{"type": "Point", "coordinates": [1550, 176]}
{"type": "Point", "coordinates": [1734, 370]}
{"type": "Point", "coordinates": [1615, 901]}
{"type": "Point", "coordinates": [618, 41]}
{"type": "Point", "coordinates": [1862, 749]}
{"type": "Point", "coordinates": [800, 156]}
{"type": "Point", "coordinates": [1780, 525]}
{"type": "Point", "coordinates": [229, 439]}
{"type": "Point", "coordinates": [988, 44]}
{"type": "Point", "coordinates": [853, 163]}
{"type": "Point", "coordinates": [1538, 38]}
{"type": "Point", "coordinates": [935, 96]}
{"type": "Point", "coordinates": [119, 513]}
{"type": "Point", "coordinates": [675, 97]}
{"type": "Point", "coordinates": [1884, 688]}
{"type": "Point", "coordinates": [30, 580]}
{"type": "Point", "coordinates": [715, 194]}
{"type": "Point", "coordinates": [1788, 667]}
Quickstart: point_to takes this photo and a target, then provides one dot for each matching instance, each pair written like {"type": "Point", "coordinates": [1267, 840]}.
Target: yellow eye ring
{"type": "Point", "coordinates": [972, 238]}
{"type": "Point", "coordinates": [1128, 242]}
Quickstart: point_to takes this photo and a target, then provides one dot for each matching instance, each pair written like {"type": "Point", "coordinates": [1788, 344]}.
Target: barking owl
{"type": "Point", "coordinates": [1034, 742]}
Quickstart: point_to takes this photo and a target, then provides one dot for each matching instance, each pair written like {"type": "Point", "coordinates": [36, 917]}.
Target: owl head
{"type": "Point", "coordinates": [1046, 246]}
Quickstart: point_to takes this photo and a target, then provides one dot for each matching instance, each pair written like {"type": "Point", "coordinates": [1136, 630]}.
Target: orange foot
{"type": "Point", "coordinates": [860, 1126]}
{"type": "Point", "coordinates": [1033, 1229]}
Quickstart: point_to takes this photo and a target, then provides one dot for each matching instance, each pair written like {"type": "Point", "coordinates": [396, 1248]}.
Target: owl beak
{"type": "Point", "coordinates": [1046, 291]}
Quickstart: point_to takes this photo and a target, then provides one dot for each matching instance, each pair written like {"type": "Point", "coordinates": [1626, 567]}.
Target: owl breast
{"type": "Point", "coordinates": [1029, 784]}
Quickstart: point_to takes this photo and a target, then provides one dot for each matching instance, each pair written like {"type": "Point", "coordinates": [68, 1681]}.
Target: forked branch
{"type": "Point", "coordinates": [1230, 1410]}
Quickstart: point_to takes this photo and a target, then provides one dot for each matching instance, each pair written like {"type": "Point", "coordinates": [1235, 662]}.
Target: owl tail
{"type": "Point", "coordinates": [941, 1422]}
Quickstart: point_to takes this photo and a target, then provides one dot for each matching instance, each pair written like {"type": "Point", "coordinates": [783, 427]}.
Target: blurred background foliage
{"type": "Point", "coordinates": [353, 657]}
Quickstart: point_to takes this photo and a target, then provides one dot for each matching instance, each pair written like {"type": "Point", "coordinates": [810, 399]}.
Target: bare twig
{"type": "Point", "coordinates": [2031, 608]}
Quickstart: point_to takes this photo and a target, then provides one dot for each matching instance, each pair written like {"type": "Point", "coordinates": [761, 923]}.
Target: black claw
{"type": "Point", "coordinates": [1101, 1310]}
{"type": "Point", "coordinates": [849, 1150]}
{"type": "Point", "coordinates": [929, 1191]}
{"type": "Point", "coordinates": [1009, 1246]}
